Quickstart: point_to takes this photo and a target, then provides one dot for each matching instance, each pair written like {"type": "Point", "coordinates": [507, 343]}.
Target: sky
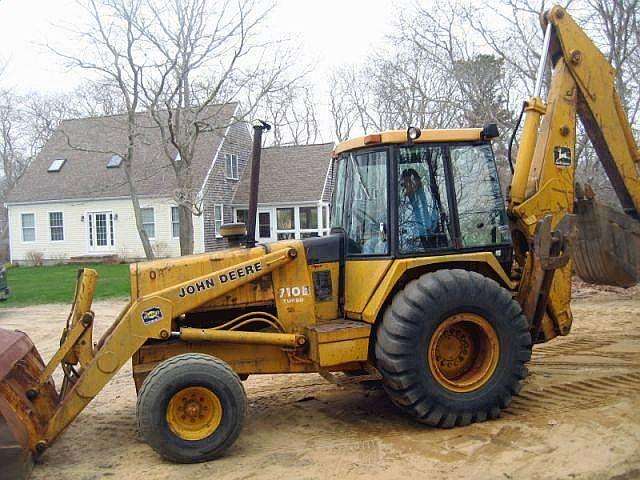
{"type": "Point", "coordinates": [328, 32]}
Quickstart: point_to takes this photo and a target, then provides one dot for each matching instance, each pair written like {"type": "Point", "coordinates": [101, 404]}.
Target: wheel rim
{"type": "Point", "coordinates": [463, 352]}
{"type": "Point", "coordinates": [194, 413]}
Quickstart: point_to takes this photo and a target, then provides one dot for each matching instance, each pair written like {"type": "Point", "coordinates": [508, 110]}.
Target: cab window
{"type": "Point", "coordinates": [366, 200]}
{"type": "Point", "coordinates": [337, 203]}
{"type": "Point", "coordinates": [479, 199]}
{"type": "Point", "coordinates": [423, 210]}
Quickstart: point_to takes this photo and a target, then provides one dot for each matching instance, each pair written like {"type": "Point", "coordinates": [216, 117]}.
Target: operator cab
{"type": "Point", "coordinates": [436, 193]}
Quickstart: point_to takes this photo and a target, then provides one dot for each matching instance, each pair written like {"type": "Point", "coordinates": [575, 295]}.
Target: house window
{"type": "Point", "coordinates": [114, 162]}
{"type": "Point", "coordinates": [56, 226]}
{"type": "Point", "coordinates": [28, 227]}
{"type": "Point", "coordinates": [231, 166]}
{"type": "Point", "coordinates": [242, 215]}
{"type": "Point", "coordinates": [148, 221]}
{"type": "Point", "coordinates": [218, 218]}
{"type": "Point", "coordinates": [325, 221]}
{"type": "Point", "coordinates": [308, 218]}
{"type": "Point", "coordinates": [285, 223]}
{"type": "Point", "coordinates": [111, 228]}
{"type": "Point", "coordinates": [285, 218]}
{"type": "Point", "coordinates": [175, 222]}
{"type": "Point", "coordinates": [56, 165]}
{"type": "Point", "coordinates": [264, 225]}
{"type": "Point", "coordinates": [309, 221]}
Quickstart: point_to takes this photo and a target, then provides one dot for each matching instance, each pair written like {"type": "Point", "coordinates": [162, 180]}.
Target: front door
{"type": "Point", "coordinates": [100, 231]}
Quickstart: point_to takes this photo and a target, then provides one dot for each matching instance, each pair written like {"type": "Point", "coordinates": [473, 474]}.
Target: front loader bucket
{"type": "Point", "coordinates": [607, 247]}
{"type": "Point", "coordinates": [23, 416]}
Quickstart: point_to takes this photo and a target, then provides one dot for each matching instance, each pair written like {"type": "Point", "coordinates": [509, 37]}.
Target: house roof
{"type": "Point", "coordinates": [295, 173]}
{"type": "Point", "coordinates": [87, 144]}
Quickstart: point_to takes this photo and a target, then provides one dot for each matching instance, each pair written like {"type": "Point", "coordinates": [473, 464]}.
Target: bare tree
{"type": "Point", "coordinates": [430, 75]}
{"type": "Point", "coordinates": [292, 114]}
{"type": "Point", "coordinates": [517, 38]}
{"type": "Point", "coordinates": [114, 50]}
{"type": "Point", "coordinates": [96, 98]}
{"type": "Point", "coordinates": [209, 53]}
{"type": "Point", "coordinates": [342, 111]}
{"type": "Point", "coordinates": [615, 25]}
{"type": "Point", "coordinates": [26, 123]}
{"type": "Point", "coordinates": [14, 160]}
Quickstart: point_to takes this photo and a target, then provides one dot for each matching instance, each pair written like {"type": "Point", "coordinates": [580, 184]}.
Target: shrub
{"type": "Point", "coordinates": [161, 250]}
{"type": "Point", "coordinates": [58, 259]}
{"type": "Point", "coordinates": [34, 258]}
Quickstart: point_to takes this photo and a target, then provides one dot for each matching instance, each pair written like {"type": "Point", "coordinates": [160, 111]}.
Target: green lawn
{"type": "Point", "coordinates": [56, 284]}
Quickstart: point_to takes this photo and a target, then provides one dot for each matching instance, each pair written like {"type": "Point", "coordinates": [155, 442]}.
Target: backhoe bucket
{"type": "Point", "coordinates": [23, 415]}
{"type": "Point", "coordinates": [607, 247]}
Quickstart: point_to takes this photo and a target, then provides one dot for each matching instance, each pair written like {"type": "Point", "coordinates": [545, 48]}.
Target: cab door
{"type": "Point", "coordinates": [361, 208]}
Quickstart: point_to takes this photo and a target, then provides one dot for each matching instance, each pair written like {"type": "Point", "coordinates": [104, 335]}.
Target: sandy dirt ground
{"type": "Point", "coordinates": [577, 417]}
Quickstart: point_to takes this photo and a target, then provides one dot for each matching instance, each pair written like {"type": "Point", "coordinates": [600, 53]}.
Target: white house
{"type": "Point", "coordinates": [74, 201]}
{"type": "Point", "coordinates": [295, 192]}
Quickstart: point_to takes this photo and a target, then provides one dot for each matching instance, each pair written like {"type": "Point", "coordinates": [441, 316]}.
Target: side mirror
{"type": "Point", "coordinates": [490, 131]}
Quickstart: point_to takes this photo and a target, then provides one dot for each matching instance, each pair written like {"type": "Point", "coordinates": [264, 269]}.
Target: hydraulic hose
{"type": "Point", "coordinates": [513, 135]}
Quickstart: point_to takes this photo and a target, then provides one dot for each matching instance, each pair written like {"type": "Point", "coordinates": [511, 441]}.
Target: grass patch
{"type": "Point", "coordinates": [56, 284]}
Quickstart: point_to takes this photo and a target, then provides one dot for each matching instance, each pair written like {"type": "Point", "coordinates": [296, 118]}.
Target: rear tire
{"type": "Point", "coordinates": [452, 348]}
{"type": "Point", "coordinates": [191, 408]}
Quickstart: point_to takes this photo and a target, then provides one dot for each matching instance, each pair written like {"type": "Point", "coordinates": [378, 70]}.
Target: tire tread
{"type": "Point", "coordinates": [394, 351]}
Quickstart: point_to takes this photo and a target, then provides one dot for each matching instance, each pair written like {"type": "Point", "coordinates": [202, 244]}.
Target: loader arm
{"type": "Point", "coordinates": [543, 185]}
{"type": "Point", "coordinates": [148, 317]}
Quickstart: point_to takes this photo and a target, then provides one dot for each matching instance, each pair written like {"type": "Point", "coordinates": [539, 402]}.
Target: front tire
{"type": "Point", "coordinates": [452, 348]}
{"type": "Point", "coordinates": [191, 408]}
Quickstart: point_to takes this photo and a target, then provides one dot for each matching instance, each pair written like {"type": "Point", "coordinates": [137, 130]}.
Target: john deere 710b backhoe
{"type": "Point", "coordinates": [427, 281]}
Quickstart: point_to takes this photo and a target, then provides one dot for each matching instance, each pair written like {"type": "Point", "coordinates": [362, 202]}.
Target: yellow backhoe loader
{"type": "Point", "coordinates": [426, 281]}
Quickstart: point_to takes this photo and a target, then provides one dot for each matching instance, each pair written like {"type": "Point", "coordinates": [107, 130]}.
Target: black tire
{"type": "Point", "coordinates": [174, 375]}
{"type": "Point", "coordinates": [404, 336]}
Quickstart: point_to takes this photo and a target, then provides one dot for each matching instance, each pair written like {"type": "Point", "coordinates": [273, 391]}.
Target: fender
{"type": "Point", "coordinates": [400, 267]}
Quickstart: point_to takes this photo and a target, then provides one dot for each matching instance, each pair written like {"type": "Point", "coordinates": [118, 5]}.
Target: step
{"type": "Point", "coordinates": [338, 342]}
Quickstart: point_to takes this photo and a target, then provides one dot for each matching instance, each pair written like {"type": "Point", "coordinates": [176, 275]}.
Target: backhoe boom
{"type": "Point", "coordinates": [605, 248]}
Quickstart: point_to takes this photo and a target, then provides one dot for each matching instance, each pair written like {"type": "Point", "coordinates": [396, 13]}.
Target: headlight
{"type": "Point", "coordinates": [413, 133]}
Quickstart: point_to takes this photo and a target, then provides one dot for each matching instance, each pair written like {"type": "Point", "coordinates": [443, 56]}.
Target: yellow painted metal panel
{"type": "Point", "coordinates": [427, 135]}
{"type": "Point", "coordinates": [293, 288]}
{"type": "Point", "coordinates": [243, 358]}
{"type": "Point", "coordinates": [596, 80]}
{"type": "Point", "coordinates": [338, 353]}
{"type": "Point", "coordinates": [328, 309]}
{"type": "Point", "coordinates": [399, 267]}
{"type": "Point", "coordinates": [339, 342]}
{"type": "Point", "coordinates": [361, 279]}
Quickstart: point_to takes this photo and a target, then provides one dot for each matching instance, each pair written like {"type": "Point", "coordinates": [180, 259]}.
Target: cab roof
{"type": "Point", "coordinates": [400, 137]}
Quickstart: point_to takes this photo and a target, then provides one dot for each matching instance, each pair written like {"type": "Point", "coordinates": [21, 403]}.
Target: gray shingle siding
{"type": "Point", "coordinates": [219, 189]}
{"type": "Point", "coordinates": [291, 173]}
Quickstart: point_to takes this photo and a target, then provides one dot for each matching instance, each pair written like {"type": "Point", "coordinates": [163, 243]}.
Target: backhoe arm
{"type": "Point", "coordinates": [583, 83]}
{"type": "Point", "coordinates": [599, 107]}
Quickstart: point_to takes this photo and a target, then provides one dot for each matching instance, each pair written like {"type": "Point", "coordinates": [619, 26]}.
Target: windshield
{"type": "Point", "coordinates": [360, 202]}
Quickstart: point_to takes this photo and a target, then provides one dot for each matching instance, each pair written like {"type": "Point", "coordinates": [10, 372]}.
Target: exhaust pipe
{"type": "Point", "coordinates": [258, 127]}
